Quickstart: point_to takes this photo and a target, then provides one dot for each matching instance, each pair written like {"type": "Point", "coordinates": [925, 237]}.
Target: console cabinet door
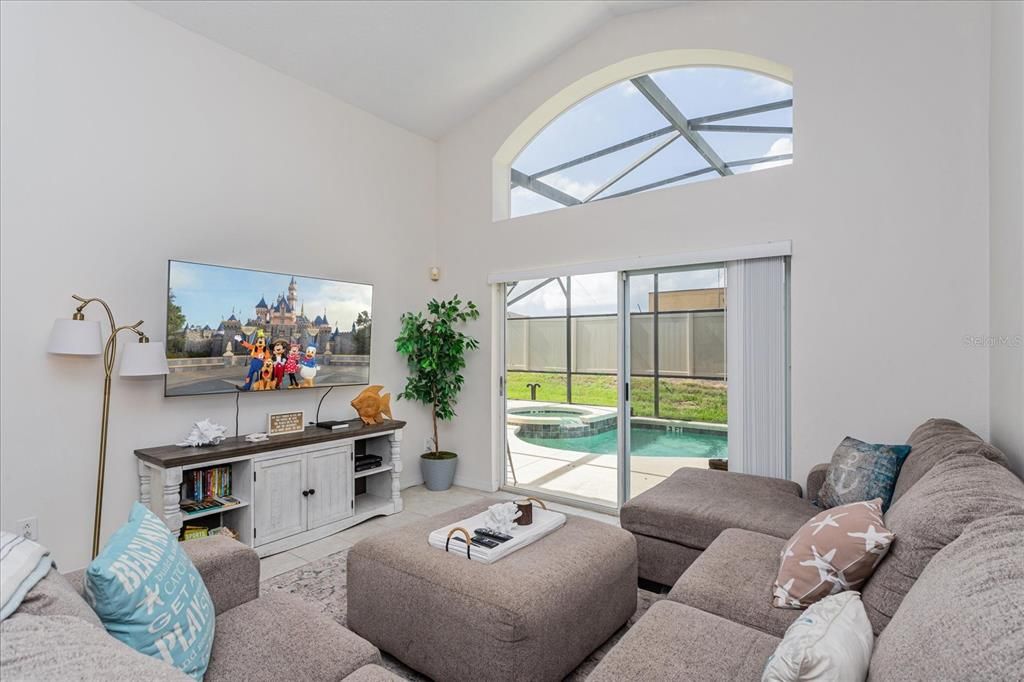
{"type": "Point", "coordinates": [329, 477]}
{"type": "Point", "coordinates": [279, 506]}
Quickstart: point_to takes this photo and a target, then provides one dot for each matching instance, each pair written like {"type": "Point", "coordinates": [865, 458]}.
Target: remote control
{"type": "Point", "coordinates": [493, 534]}
{"type": "Point", "coordinates": [478, 540]}
{"type": "Point", "coordinates": [485, 542]}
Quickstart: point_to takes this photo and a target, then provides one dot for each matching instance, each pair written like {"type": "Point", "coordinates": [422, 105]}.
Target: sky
{"type": "Point", "coordinates": [620, 112]}
{"type": "Point", "coordinates": [207, 294]}
{"type": "Point", "coordinates": [597, 293]}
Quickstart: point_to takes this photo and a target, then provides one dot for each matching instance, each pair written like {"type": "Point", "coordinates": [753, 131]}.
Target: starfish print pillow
{"type": "Point", "coordinates": [835, 551]}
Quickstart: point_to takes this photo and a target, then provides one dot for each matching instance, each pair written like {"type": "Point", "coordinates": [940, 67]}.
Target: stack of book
{"type": "Point", "coordinates": [366, 462]}
{"type": "Point", "coordinates": [216, 502]}
{"type": "Point", "coordinates": [201, 484]}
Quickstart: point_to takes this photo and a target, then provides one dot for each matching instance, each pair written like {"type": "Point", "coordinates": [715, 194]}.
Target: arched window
{"type": "Point", "coordinates": [661, 129]}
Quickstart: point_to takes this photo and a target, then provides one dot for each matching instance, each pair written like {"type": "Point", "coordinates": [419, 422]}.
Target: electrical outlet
{"type": "Point", "coordinates": [428, 444]}
{"type": "Point", "coordinates": [29, 528]}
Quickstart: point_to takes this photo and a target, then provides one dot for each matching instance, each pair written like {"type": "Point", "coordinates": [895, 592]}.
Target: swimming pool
{"type": "Point", "coordinates": [644, 441]}
{"type": "Point", "coordinates": [554, 412]}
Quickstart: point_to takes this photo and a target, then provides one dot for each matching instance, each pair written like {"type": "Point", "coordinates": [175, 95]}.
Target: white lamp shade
{"type": "Point", "coordinates": [143, 359]}
{"type": "Point", "coordinates": [75, 337]}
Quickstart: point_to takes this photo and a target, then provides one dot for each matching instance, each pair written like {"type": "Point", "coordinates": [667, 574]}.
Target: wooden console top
{"type": "Point", "coordinates": [168, 456]}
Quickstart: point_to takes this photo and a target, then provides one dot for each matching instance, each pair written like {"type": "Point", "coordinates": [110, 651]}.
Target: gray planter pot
{"type": "Point", "coordinates": [438, 474]}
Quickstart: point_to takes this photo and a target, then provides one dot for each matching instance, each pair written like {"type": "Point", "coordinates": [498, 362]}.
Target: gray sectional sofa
{"type": "Point", "coordinates": [55, 635]}
{"type": "Point", "coordinates": [946, 603]}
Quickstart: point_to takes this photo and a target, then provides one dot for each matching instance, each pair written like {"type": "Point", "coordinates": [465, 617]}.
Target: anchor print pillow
{"type": "Point", "coordinates": [150, 596]}
{"type": "Point", "coordinates": [862, 471]}
{"type": "Point", "coordinates": [835, 551]}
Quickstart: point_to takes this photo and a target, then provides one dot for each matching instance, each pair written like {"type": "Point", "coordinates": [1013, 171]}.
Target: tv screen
{"type": "Point", "coordinates": [231, 329]}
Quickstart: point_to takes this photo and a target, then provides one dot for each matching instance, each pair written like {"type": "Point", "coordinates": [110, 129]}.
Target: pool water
{"type": "Point", "coordinates": [645, 442]}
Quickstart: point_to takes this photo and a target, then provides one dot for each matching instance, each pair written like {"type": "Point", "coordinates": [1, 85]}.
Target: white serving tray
{"type": "Point", "coordinates": [544, 522]}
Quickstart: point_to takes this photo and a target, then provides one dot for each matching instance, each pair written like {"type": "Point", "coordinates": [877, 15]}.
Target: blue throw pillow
{"type": "Point", "coordinates": [862, 471]}
{"type": "Point", "coordinates": [149, 595]}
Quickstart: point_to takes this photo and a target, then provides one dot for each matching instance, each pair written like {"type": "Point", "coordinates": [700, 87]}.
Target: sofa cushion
{"type": "Point", "coordinates": [662, 561]}
{"type": "Point", "coordinates": [373, 673]}
{"type": "Point", "coordinates": [956, 491]}
{"type": "Point", "coordinates": [861, 471]}
{"type": "Point", "coordinates": [230, 570]}
{"type": "Point", "coordinates": [934, 440]}
{"type": "Point", "coordinates": [733, 579]}
{"type": "Point", "coordinates": [54, 595]}
{"type": "Point", "coordinates": [964, 617]}
{"type": "Point", "coordinates": [64, 647]}
{"type": "Point", "coordinates": [677, 642]}
{"type": "Point", "coordinates": [831, 640]}
{"type": "Point", "coordinates": [282, 637]}
{"type": "Point", "coordinates": [837, 550]}
{"type": "Point", "coordinates": [692, 506]}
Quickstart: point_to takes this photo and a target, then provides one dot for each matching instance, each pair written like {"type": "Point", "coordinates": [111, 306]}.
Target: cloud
{"type": "Point", "coordinates": [580, 190]}
{"type": "Point", "coordinates": [626, 89]}
{"type": "Point", "coordinates": [183, 277]}
{"type": "Point", "coordinates": [343, 301]}
{"type": "Point", "coordinates": [770, 87]}
{"type": "Point", "coordinates": [783, 145]}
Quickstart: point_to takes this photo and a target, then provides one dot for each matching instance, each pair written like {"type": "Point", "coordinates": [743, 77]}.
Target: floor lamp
{"type": "Point", "coordinates": [79, 336]}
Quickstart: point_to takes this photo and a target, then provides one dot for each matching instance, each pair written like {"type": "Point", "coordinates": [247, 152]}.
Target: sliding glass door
{"type": "Point", "coordinates": [561, 387]}
{"type": "Point", "coordinates": [677, 400]}
{"type": "Point", "coordinates": [586, 353]}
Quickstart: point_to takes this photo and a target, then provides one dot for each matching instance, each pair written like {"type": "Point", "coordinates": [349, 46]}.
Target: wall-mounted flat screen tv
{"type": "Point", "coordinates": [231, 329]}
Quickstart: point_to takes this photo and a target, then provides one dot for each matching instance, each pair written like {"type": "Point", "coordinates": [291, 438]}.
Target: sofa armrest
{"type": "Point", "coordinates": [815, 479]}
{"type": "Point", "coordinates": [230, 570]}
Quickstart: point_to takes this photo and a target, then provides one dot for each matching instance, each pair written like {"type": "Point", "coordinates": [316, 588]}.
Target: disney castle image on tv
{"type": "Point", "coordinates": [231, 329]}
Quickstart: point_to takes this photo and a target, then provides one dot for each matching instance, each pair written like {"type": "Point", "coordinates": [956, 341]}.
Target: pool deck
{"type": "Point", "coordinates": [583, 475]}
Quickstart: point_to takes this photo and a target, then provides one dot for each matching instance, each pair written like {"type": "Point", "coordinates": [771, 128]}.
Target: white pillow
{"type": "Point", "coordinates": [832, 641]}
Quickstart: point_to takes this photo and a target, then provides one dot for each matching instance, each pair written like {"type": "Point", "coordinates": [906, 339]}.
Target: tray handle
{"type": "Point", "coordinates": [452, 532]}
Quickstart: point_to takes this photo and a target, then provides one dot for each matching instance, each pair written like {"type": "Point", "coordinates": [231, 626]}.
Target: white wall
{"type": "Point", "coordinates": [128, 140]}
{"type": "Point", "coordinates": [886, 204]}
{"type": "Point", "coordinates": [1006, 140]}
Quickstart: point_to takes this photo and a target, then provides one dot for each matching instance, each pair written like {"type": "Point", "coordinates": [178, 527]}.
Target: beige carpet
{"type": "Point", "coordinates": [324, 582]}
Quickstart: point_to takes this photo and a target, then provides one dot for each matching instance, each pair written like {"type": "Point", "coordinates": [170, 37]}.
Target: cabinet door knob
{"type": "Point", "coordinates": [312, 491]}
{"type": "Point", "coordinates": [305, 493]}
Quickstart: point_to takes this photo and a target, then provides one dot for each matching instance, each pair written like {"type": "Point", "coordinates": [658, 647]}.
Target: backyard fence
{"type": "Point", "coordinates": [686, 344]}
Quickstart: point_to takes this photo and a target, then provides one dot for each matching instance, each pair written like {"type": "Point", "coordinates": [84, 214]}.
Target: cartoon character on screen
{"type": "Point", "coordinates": [257, 354]}
{"type": "Point", "coordinates": [308, 367]}
{"type": "Point", "coordinates": [265, 381]}
{"type": "Point", "coordinates": [291, 365]}
{"type": "Point", "coordinates": [278, 353]}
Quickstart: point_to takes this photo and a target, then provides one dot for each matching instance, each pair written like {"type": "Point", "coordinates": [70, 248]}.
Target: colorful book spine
{"type": "Point", "coordinates": [201, 484]}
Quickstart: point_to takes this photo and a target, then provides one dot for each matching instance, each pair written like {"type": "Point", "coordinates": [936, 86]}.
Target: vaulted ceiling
{"type": "Point", "coordinates": [425, 66]}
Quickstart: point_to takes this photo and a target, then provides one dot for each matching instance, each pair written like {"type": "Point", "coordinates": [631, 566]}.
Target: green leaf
{"type": "Point", "coordinates": [436, 350]}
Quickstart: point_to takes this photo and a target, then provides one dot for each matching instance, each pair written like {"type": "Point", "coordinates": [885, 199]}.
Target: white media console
{"type": "Point", "coordinates": [292, 489]}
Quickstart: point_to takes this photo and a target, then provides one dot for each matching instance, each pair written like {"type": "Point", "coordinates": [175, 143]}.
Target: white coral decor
{"type": "Point", "coordinates": [204, 433]}
{"type": "Point", "coordinates": [501, 517]}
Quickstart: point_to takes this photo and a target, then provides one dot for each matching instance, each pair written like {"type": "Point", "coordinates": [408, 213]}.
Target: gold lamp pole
{"type": "Point", "coordinates": [76, 337]}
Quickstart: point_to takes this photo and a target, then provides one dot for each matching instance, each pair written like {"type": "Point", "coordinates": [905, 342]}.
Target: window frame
{"type": "Point", "coordinates": [635, 69]}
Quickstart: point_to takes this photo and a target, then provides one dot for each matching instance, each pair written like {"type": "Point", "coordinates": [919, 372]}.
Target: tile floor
{"type": "Point", "coordinates": [419, 503]}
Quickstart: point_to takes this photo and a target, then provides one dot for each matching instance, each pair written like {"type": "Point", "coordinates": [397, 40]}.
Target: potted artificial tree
{"type": "Point", "coordinates": [436, 353]}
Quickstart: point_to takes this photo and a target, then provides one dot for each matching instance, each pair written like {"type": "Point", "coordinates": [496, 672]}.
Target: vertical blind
{"type": "Point", "coordinates": [757, 352]}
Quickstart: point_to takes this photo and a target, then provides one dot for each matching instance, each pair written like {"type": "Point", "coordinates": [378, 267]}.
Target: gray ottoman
{"type": "Point", "coordinates": [534, 615]}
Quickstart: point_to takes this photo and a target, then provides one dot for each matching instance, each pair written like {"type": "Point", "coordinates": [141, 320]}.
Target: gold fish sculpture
{"type": "Point", "coordinates": [371, 406]}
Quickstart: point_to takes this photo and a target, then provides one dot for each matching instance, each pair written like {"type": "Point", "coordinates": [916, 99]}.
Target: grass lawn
{"type": "Point", "coordinates": [687, 399]}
